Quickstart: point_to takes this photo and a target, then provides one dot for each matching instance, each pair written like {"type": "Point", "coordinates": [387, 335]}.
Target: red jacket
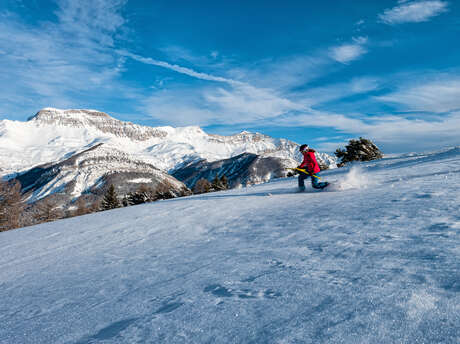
{"type": "Point", "coordinates": [309, 161]}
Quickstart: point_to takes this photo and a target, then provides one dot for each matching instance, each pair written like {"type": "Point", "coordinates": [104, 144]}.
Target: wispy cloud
{"type": "Point", "coordinates": [179, 54]}
{"type": "Point", "coordinates": [178, 69]}
{"type": "Point", "coordinates": [332, 92]}
{"type": "Point", "coordinates": [178, 107]}
{"type": "Point", "coordinates": [91, 20]}
{"type": "Point", "coordinates": [401, 134]}
{"type": "Point", "coordinates": [210, 105]}
{"type": "Point", "coordinates": [348, 52]}
{"type": "Point", "coordinates": [285, 73]}
{"type": "Point", "coordinates": [395, 133]}
{"type": "Point", "coordinates": [233, 102]}
{"type": "Point", "coordinates": [246, 103]}
{"type": "Point", "coordinates": [438, 94]}
{"type": "Point", "coordinates": [77, 60]}
{"type": "Point", "coordinates": [62, 63]}
{"type": "Point", "coordinates": [427, 112]}
{"type": "Point", "coordinates": [236, 102]}
{"type": "Point", "coordinates": [413, 12]}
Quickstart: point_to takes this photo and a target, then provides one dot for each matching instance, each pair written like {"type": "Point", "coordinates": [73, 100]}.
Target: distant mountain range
{"type": "Point", "coordinates": [241, 170]}
{"type": "Point", "coordinates": [69, 153]}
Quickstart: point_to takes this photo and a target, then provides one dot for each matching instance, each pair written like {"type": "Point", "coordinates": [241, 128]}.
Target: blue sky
{"type": "Point", "coordinates": [316, 72]}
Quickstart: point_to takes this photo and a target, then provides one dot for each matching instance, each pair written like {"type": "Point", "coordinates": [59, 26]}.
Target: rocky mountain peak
{"type": "Point", "coordinates": [71, 116]}
{"type": "Point", "coordinates": [96, 120]}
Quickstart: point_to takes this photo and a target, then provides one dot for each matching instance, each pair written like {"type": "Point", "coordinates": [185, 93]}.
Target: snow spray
{"type": "Point", "coordinates": [354, 179]}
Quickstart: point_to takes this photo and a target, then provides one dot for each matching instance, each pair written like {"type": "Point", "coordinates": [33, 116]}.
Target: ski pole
{"type": "Point", "coordinates": [304, 171]}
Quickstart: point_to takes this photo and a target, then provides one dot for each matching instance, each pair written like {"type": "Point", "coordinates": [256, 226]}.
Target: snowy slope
{"type": "Point", "coordinates": [375, 259]}
{"type": "Point", "coordinates": [86, 172]}
{"type": "Point", "coordinates": [52, 134]}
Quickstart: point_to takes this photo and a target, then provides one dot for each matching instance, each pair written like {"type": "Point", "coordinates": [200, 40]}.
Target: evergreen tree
{"type": "Point", "coordinates": [358, 150]}
{"type": "Point", "coordinates": [138, 197]}
{"type": "Point", "coordinates": [110, 200]}
{"type": "Point", "coordinates": [224, 182]}
{"type": "Point", "coordinates": [216, 184]}
{"type": "Point", "coordinates": [146, 194]}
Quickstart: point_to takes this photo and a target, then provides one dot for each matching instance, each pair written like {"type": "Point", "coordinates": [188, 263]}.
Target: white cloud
{"type": "Point", "coordinates": [434, 121]}
{"type": "Point", "coordinates": [246, 103]}
{"type": "Point", "coordinates": [75, 60]}
{"type": "Point", "coordinates": [227, 104]}
{"type": "Point", "coordinates": [61, 63]}
{"type": "Point", "coordinates": [285, 73]}
{"type": "Point", "coordinates": [439, 95]}
{"type": "Point", "coordinates": [267, 96]}
{"type": "Point", "coordinates": [346, 53]}
{"type": "Point", "coordinates": [400, 134]}
{"type": "Point", "coordinates": [178, 68]}
{"type": "Point", "coordinates": [318, 95]}
{"type": "Point", "coordinates": [179, 54]}
{"type": "Point", "coordinates": [413, 12]}
{"type": "Point", "coordinates": [91, 20]}
{"type": "Point", "coordinates": [394, 133]}
{"type": "Point", "coordinates": [178, 107]}
{"type": "Point", "coordinates": [237, 102]}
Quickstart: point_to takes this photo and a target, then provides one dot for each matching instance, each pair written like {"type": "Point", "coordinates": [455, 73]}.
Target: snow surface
{"type": "Point", "coordinates": [374, 259]}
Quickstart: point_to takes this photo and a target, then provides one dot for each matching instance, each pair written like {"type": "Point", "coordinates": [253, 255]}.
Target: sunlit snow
{"type": "Point", "coordinates": [373, 259]}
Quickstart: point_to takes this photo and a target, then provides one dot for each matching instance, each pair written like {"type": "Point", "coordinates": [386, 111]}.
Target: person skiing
{"type": "Point", "coordinates": [310, 164]}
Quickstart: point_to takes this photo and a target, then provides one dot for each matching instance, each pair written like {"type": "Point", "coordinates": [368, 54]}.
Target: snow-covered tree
{"type": "Point", "coordinates": [143, 194]}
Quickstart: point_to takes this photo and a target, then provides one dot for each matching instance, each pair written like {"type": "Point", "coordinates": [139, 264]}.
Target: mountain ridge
{"type": "Point", "coordinates": [52, 133]}
{"type": "Point", "coordinates": [86, 172]}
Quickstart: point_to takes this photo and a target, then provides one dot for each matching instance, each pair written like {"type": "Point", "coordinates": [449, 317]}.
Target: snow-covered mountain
{"type": "Point", "coordinates": [84, 173]}
{"type": "Point", "coordinates": [53, 136]}
{"type": "Point", "coordinates": [374, 259]}
{"type": "Point", "coordinates": [243, 170]}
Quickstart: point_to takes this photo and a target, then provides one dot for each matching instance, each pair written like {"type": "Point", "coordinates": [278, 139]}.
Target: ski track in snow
{"type": "Point", "coordinates": [373, 259]}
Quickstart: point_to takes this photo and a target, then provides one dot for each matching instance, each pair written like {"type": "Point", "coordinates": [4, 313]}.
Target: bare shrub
{"type": "Point", "coordinates": [11, 205]}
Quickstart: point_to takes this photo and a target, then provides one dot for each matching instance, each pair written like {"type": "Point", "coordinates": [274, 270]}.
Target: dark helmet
{"type": "Point", "coordinates": [303, 148]}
